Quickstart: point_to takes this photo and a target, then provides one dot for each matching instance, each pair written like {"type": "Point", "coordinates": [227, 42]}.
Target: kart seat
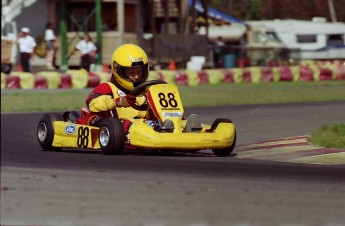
{"type": "Point", "coordinates": [193, 124]}
{"type": "Point", "coordinates": [167, 126]}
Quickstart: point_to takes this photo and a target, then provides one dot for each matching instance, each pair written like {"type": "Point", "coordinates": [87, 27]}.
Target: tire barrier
{"type": "Point", "coordinates": [79, 79]}
{"type": "Point", "coordinates": [53, 78]}
{"type": "Point", "coordinates": [41, 82]}
{"type": "Point", "coordinates": [66, 81]}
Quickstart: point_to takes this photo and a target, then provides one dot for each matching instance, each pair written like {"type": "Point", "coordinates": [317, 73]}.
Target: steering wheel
{"type": "Point", "coordinates": [141, 89]}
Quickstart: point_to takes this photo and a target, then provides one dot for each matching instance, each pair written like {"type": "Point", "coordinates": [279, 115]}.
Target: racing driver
{"type": "Point", "coordinates": [130, 68]}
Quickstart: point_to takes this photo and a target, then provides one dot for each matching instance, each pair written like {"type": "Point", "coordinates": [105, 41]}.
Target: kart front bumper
{"type": "Point", "coordinates": [143, 136]}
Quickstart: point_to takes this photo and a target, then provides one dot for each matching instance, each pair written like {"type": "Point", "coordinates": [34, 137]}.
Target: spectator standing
{"type": "Point", "coordinates": [217, 52]}
{"type": "Point", "coordinates": [49, 37]}
{"type": "Point", "coordinates": [27, 45]}
{"type": "Point", "coordinates": [88, 51]}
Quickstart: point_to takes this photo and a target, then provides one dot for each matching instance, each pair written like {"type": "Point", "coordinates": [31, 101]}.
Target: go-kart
{"type": "Point", "coordinates": [167, 128]}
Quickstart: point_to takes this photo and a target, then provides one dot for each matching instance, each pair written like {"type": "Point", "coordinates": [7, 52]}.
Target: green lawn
{"type": "Point", "coordinates": [202, 95]}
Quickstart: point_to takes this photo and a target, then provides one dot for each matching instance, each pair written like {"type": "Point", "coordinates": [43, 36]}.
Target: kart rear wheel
{"type": "Point", "coordinates": [225, 151]}
{"type": "Point", "coordinates": [111, 136]}
{"type": "Point", "coordinates": [45, 131]}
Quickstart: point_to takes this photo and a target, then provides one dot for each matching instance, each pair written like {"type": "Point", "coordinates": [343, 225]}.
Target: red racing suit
{"type": "Point", "coordinates": [101, 102]}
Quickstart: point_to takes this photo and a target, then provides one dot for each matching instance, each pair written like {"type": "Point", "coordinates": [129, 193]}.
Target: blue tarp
{"type": "Point", "coordinates": [213, 13]}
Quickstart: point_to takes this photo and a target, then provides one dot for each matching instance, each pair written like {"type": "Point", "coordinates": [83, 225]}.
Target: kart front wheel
{"type": "Point", "coordinates": [225, 151]}
{"type": "Point", "coordinates": [45, 131]}
{"type": "Point", "coordinates": [111, 136]}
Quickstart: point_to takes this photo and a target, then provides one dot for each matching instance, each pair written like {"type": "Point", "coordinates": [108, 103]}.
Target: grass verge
{"type": "Point", "coordinates": [202, 95]}
{"type": "Point", "coordinates": [330, 136]}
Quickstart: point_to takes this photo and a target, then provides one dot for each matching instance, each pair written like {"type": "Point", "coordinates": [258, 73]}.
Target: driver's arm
{"type": "Point", "coordinates": [102, 103]}
{"type": "Point", "coordinates": [102, 99]}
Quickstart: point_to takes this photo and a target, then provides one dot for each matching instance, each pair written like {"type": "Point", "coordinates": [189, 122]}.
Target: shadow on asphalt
{"type": "Point", "coordinates": [148, 153]}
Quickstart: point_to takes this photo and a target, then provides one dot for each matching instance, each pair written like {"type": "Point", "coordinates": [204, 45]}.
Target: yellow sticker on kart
{"type": "Point", "coordinates": [165, 101]}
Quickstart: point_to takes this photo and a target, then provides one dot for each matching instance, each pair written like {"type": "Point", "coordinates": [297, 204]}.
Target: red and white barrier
{"type": "Point", "coordinates": [79, 79]}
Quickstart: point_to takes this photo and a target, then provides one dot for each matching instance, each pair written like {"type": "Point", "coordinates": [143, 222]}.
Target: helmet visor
{"type": "Point", "coordinates": [136, 74]}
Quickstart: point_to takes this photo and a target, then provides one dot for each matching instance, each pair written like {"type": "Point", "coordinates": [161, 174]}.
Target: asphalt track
{"type": "Point", "coordinates": [150, 188]}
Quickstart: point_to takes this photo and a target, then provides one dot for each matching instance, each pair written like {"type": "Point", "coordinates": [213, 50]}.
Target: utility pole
{"type": "Point", "coordinates": [331, 11]}
{"type": "Point", "coordinates": [99, 30]}
{"type": "Point", "coordinates": [120, 19]}
{"type": "Point", "coordinates": [193, 24]}
{"type": "Point", "coordinates": [205, 6]}
{"type": "Point", "coordinates": [63, 35]}
{"type": "Point", "coordinates": [166, 16]}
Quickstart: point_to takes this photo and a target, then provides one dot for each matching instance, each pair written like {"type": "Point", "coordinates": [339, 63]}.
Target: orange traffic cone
{"type": "Point", "coordinates": [105, 68]}
{"type": "Point", "coordinates": [172, 66]}
{"type": "Point", "coordinates": [19, 68]}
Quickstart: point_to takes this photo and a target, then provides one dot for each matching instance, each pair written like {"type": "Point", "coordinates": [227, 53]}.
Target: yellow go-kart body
{"type": "Point", "coordinates": [164, 102]}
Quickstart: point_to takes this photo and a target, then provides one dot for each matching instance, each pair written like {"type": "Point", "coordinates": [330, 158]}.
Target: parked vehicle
{"type": "Point", "coordinates": [315, 39]}
{"type": "Point", "coordinates": [256, 43]}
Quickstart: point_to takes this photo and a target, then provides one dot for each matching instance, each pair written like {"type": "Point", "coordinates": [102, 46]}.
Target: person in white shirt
{"type": "Point", "coordinates": [27, 45]}
{"type": "Point", "coordinates": [88, 51]}
{"type": "Point", "coordinates": [49, 37]}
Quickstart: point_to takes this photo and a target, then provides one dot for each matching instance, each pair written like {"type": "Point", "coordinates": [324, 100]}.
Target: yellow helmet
{"type": "Point", "coordinates": [128, 56]}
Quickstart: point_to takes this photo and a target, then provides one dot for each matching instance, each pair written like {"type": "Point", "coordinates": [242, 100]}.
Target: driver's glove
{"type": "Point", "coordinates": [125, 101]}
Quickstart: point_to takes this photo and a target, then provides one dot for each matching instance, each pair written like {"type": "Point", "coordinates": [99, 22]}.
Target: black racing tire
{"type": "Point", "coordinates": [71, 116]}
{"type": "Point", "coordinates": [45, 131]}
{"type": "Point", "coordinates": [111, 136]}
{"type": "Point", "coordinates": [225, 151]}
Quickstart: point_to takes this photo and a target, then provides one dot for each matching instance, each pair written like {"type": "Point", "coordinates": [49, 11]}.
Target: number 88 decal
{"type": "Point", "coordinates": [165, 103]}
{"type": "Point", "coordinates": [83, 137]}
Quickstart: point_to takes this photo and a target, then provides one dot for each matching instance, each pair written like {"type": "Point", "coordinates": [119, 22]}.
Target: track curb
{"type": "Point", "coordinates": [294, 150]}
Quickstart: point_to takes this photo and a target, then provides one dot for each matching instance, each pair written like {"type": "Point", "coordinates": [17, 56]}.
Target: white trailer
{"type": "Point", "coordinates": [315, 39]}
